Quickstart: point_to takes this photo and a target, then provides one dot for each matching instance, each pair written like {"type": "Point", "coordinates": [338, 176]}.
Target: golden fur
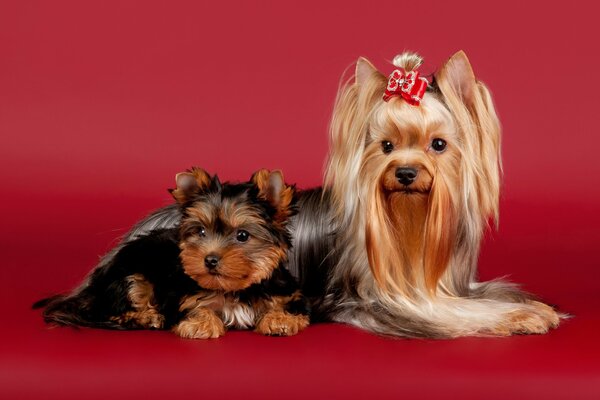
{"type": "Point", "coordinates": [413, 253]}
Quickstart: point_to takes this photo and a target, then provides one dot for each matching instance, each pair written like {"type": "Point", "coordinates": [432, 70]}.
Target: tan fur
{"type": "Point", "coordinates": [281, 323]}
{"type": "Point", "coordinates": [237, 271]}
{"type": "Point", "coordinates": [210, 228]}
{"type": "Point", "coordinates": [413, 255]}
{"type": "Point", "coordinates": [525, 322]}
{"type": "Point", "coordinates": [202, 323]}
{"type": "Point", "coordinates": [243, 266]}
{"type": "Point", "coordinates": [190, 183]}
{"type": "Point", "coordinates": [267, 315]}
{"type": "Point", "coordinates": [201, 212]}
{"type": "Point", "coordinates": [275, 302]}
{"type": "Point", "coordinates": [141, 295]}
{"type": "Point", "coordinates": [273, 189]}
{"type": "Point", "coordinates": [408, 60]}
{"type": "Point", "coordinates": [274, 320]}
{"type": "Point", "coordinates": [207, 299]}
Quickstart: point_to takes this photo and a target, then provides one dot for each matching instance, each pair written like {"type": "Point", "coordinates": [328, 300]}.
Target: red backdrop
{"type": "Point", "coordinates": [101, 104]}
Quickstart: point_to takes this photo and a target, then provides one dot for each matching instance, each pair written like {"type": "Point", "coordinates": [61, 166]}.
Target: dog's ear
{"type": "Point", "coordinates": [364, 70]}
{"type": "Point", "coordinates": [215, 184]}
{"type": "Point", "coordinates": [272, 188]}
{"type": "Point", "coordinates": [456, 77]}
{"type": "Point", "coordinates": [190, 184]}
{"type": "Point", "coordinates": [348, 129]}
{"type": "Point", "coordinates": [471, 104]}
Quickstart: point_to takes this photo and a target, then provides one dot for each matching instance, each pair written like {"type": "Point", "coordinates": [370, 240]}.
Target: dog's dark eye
{"type": "Point", "coordinates": [242, 236]}
{"type": "Point", "coordinates": [438, 145]}
{"type": "Point", "coordinates": [387, 146]}
{"type": "Point", "coordinates": [202, 231]}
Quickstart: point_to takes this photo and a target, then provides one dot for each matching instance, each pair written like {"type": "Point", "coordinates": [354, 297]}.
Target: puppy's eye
{"type": "Point", "coordinates": [387, 146]}
{"type": "Point", "coordinates": [242, 236]}
{"type": "Point", "coordinates": [438, 145]}
{"type": "Point", "coordinates": [202, 231]}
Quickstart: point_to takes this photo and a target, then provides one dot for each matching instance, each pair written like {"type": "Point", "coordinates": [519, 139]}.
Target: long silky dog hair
{"type": "Point", "coordinates": [408, 254]}
{"type": "Point", "coordinates": [398, 259]}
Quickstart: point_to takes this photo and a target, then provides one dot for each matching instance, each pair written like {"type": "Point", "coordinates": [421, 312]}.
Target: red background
{"type": "Point", "coordinates": [101, 104]}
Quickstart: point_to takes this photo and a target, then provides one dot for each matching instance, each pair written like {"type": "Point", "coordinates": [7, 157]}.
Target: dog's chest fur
{"type": "Point", "coordinates": [236, 314]}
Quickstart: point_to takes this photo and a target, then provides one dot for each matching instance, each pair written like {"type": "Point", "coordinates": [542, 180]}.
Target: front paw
{"type": "Point", "coordinates": [544, 319]}
{"type": "Point", "coordinates": [281, 323]}
{"type": "Point", "coordinates": [204, 324]}
{"type": "Point", "coordinates": [538, 320]}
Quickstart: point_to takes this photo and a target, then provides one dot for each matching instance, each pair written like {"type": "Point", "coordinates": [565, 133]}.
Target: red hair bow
{"type": "Point", "coordinates": [406, 84]}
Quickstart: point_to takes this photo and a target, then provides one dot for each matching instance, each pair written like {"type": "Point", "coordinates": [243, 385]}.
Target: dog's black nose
{"type": "Point", "coordinates": [406, 175]}
{"type": "Point", "coordinates": [211, 261]}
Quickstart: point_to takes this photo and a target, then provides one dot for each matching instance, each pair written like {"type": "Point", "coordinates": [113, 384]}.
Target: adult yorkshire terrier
{"type": "Point", "coordinates": [390, 244]}
{"type": "Point", "coordinates": [414, 177]}
{"type": "Point", "coordinates": [222, 267]}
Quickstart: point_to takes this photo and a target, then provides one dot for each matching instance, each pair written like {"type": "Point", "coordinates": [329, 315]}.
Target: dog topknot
{"type": "Point", "coordinates": [408, 60]}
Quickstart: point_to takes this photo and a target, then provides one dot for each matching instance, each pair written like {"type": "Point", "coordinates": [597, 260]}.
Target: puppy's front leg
{"type": "Point", "coordinates": [201, 323]}
{"type": "Point", "coordinates": [283, 315]}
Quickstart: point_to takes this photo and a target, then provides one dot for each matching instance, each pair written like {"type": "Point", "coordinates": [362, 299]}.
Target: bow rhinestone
{"type": "Point", "coordinates": [408, 85]}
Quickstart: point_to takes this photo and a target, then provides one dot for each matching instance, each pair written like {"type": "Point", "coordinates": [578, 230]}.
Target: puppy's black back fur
{"type": "Point", "coordinates": [104, 295]}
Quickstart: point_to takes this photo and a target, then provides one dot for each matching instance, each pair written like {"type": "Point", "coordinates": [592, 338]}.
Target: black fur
{"type": "Point", "coordinates": [312, 254]}
{"type": "Point", "coordinates": [155, 255]}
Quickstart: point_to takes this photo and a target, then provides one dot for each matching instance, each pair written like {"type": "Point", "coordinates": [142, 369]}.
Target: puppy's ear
{"type": "Point", "coordinates": [456, 78]}
{"type": "Point", "coordinates": [364, 70]}
{"type": "Point", "coordinates": [272, 188]}
{"type": "Point", "coordinates": [190, 184]}
{"type": "Point", "coordinates": [215, 184]}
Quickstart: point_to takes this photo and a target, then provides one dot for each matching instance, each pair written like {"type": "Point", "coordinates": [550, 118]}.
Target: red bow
{"type": "Point", "coordinates": [406, 84]}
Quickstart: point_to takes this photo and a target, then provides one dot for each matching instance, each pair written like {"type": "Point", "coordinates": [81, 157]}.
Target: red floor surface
{"type": "Point", "coordinates": [101, 103]}
{"type": "Point", "coordinates": [550, 256]}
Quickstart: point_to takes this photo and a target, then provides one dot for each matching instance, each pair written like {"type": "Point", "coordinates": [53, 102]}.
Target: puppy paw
{"type": "Point", "coordinates": [204, 324]}
{"type": "Point", "coordinates": [281, 323]}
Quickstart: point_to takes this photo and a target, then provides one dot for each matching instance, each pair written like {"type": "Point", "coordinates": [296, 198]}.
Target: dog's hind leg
{"type": "Point", "coordinates": [527, 316]}
{"type": "Point", "coordinates": [145, 315]}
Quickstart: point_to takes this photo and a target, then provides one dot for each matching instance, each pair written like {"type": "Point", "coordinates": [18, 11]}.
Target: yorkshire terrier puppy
{"type": "Point", "coordinates": [223, 267]}
{"type": "Point", "coordinates": [390, 243]}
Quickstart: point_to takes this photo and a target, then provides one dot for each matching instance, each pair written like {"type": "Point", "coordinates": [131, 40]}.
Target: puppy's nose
{"type": "Point", "coordinates": [406, 175]}
{"type": "Point", "coordinates": [211, 261]}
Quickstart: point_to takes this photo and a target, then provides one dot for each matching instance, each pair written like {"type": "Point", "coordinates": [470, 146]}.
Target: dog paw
{"type": "Point", "coordinates": [203, 325]}
{"type": "Point", "coordinates": [538, 320]}
{"type": "Point", "coordinates": [151, 319]}
{"type": "Point", "coordinates": [147, 319]}
{"type": "Point", "coordinates": [281, 323]}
